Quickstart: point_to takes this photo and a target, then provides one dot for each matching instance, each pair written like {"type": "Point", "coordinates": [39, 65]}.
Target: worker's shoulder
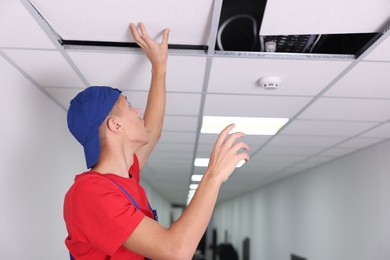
{"type": "Point", "coordinates": [91, 183]}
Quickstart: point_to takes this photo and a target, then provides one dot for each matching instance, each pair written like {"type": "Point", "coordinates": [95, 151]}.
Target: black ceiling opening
{"type": "Point", "coordinates": [240, 23]}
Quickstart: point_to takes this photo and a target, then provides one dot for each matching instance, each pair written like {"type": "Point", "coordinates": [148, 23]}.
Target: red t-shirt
{"type": "Point", "coordinates": [100, 217]}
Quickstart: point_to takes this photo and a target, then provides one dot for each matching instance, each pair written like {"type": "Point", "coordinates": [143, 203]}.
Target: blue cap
{"type": "Point", "coordinates": [86, 113]}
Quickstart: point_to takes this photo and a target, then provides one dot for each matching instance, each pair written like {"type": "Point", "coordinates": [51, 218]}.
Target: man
{"type": "Point", "coordinates": [106, 210]}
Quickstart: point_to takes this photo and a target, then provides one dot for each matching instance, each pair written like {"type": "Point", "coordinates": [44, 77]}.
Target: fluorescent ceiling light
{"type": "Point", "coordinates": [190, 196]}
{"type": "Point", "coordinates": [191, 193]}
{"type": "Point", "coordinates": [247, 125]}
{"type": "Point", "coordinates": [204, 162]}
{"type": "Point", "coordinates": [196, 177]}
{"type": "Point", "coordinates": [201, 162]}
{"type": "Point", "coordinates": [240, 163]}
{"type": "Point", "coordinates": [193, 186]}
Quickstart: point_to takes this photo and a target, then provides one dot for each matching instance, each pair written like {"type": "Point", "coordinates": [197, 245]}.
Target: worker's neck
{"type": "Point", "coordinates": [117, 163]}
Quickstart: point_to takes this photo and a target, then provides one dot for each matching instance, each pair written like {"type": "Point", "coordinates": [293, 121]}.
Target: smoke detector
{"type": "Point", "coordinates": [270, 82]}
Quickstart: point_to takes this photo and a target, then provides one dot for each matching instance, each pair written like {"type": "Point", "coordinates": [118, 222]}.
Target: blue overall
{"type": "Point", "coordinates": [155, 217]}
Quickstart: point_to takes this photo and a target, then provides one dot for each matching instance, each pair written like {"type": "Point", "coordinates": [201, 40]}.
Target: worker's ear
{"type": "Point", "coordinates": [114, 124]}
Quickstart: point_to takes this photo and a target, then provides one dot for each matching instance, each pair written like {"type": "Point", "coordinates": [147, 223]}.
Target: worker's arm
{"type": "Point", "coordinates": [180, 241]}
{"type": "Point", "coordinates": [155, 108]}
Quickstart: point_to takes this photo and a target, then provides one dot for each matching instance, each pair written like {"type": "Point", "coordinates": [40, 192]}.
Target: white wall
{"type": "Point", "coordinates": [159, 203]}
{"type": "Point", "coordinates": [339, 211]}
{"type": "Point", "coordinates": [38, 159]}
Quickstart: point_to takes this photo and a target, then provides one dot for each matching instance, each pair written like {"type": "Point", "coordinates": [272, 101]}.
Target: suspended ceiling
{"type": "Point", "coordinates": [337, 104]}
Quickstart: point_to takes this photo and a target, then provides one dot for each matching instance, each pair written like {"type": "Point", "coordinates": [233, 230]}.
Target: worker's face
{"type": "Point", "coordinates": [133, 123]}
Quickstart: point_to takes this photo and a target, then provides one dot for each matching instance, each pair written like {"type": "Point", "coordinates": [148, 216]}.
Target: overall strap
{"type": "Point", "coordinates": [155, 217]}
{"type": "Point", "coordinates": [127, 194]}
{"type": "Point", "coordinates": [135, 203]}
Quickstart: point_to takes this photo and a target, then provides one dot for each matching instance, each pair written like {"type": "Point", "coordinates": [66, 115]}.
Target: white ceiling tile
{"type": "Point", "coordinates": [319, 159]}
{"type": "Point", "coordinates": [326, 128]}
{"type": "Point", "coordinates": [182, 104]}
{"type": "Point", "coordinates": [383, 131]}
{"type": "Point", "coordinates": [180, 123]}
{"type": "Point", "coordinates": [137, 99]}
{"type": "Point", "coordinates": [261, 166]}
{"type": "Point", "coordinates": [177, 137]}
{"type": "Point", "coordinates": [307, 141]}
{"type": "Point", "coordinates": [185, 73]}
{"type": "Point", "coordinates": [380, 53]}
{"type": "Point", "coordinates": [180, 166]}
{"type": "Point", "coordinates": [324, 17]}
{"type": "Point", "coordinates": [253, 106]}
{"type": "Point", "coordinates": [63, 95]}
{"type": "Point", "coordinates": [252, 173]}
{"type": "Point", "coordinates": [299, 77]}
{"type": "Point", "coordinates": [313, 162]}
{"type": "Point", "coordinates": [119, 70]}
{"type": "Point", "coordinates": [360, 142]}
{"type": "Point", "coordinates": [338, 151]}
{"type": "Point", "coordinates": [348, 109]}
{"type": "Point", "coordinates": [208, 138]}
{"type": "Point", "coordinates": [48, 68]}
{"type": "Point", "coordinates": [19, 29]}
{"type": "Point", "coordinates": [177, 103]}
{"type": "Point", "coordinates": [189, 21]}
{"type": "Point", "coordinates": [366, 80]}
{"type": "Point", "coordinates": [132, 70]}
{"type": "Point", "coordinates": [174, 147]}
{"type": "Point", "coordinates": [267, 160]}
{"type": "Point", "coordinates": [169, 156]}
{"type": "Point", "coordinates": [293, 170]}
{"type": "Point", "coordinates": [286, 150]}
{"type": "Point", "coordinates": [204, 150]}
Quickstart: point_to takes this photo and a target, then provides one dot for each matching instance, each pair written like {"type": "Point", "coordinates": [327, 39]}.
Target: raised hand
{"type": "Point", "coordinates": [157, 53]}
{"type": "Point", "coordinates": [226, 154]}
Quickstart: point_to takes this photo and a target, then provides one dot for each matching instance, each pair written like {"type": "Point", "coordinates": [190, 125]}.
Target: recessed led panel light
{"type": "Point", "coordinates": [193, 186]}
{"type": "Point", "coordinates": [247, 125]}
{"type": "Point", "coordinates": [201, 162]}
{"type": "Point", "coordinates": [240, 163]}
{"type": "Point", "coordinates": [196, 177]}
{"type": "Point", "coordinates": [204, 162]}
{"type": "Point", "coordinates": [191, 193]}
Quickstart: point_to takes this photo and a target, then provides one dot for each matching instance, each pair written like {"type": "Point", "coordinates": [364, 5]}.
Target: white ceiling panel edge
{"type": "Point", "coordinates": [324, 17]}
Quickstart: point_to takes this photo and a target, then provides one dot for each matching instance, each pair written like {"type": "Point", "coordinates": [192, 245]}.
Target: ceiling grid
{"type": "Point", "coordinates": [333, 109]}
